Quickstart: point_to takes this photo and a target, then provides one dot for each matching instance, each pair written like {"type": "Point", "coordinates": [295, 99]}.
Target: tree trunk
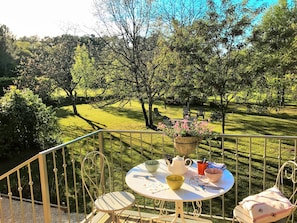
{"type": "Point", "coordinates": [73, 100]}
{"type": "Point", "coordinates": [144, 113]}
{"type": "Point", "coordinates": [150, 113]}
{"type": "Point", "coordinates": [282, 96]}
{"type": "Point", "coordinates": [223, 113]}
{"type": "Point", "coordinates": [223, 122]}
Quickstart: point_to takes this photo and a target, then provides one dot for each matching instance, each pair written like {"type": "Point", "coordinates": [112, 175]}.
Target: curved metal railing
{"type": "Point", "coordinates": [48, 188]}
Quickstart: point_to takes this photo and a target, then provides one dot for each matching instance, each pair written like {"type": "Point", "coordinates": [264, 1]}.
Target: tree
{"type": "Point", "coordinates": [59, 61]}
{"type": "Point", "coordinates": [47, 64]}
{"type": "Point", "coordinates": [186, 12]}
{"type": "Point", "coordinates": [32, 69]}
{"type": "Point", "coordinates": [7, 52]}
{"type": "Point", "coordinates": [83, 70]}
{"type": "Point", "coordinates": [210, 53]}
{"type": "Point", "coordinates": [131, 66]}
{"type": "Point", "coordinates": [189, 54]}
{"type": "Point", "coordinates": [273, 41]}
{"type": "Point", "coordinates": [226, 29]}
{"type": "Point", "coordinates": [26, 123]}
{"type": "Point", "coordinates": [49, 67]}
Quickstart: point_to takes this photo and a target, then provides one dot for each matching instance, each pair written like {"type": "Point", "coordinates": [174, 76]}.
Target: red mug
{"type": "Point", "coordinates": [201, 166]}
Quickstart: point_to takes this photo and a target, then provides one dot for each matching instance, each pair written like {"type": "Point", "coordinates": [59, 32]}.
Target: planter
{"type": "Point", "coordinates": [186, 145]}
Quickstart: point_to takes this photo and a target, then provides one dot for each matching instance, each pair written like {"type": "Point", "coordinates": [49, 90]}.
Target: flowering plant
{"type": "Point", "coordinates": [186, 128]}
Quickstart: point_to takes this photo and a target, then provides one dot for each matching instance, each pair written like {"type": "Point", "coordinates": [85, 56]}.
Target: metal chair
{"type": "Point", "coordinates": [97, 181]}
{"type": "Point", "coordinates": [201, 113]}
{"type": "Point", "coordinates": [186, 113]}
{"type": "Point", "coordinates": [286, 184]}
{"type": "Point", "coordinates": [158, 115]}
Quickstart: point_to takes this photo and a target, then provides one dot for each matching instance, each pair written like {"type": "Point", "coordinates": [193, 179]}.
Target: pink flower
{"type": "Point", "coordinates": [184, 128]}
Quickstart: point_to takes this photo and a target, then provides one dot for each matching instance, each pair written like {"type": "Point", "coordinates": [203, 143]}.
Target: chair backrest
{"type": "Point", "coordinates": [156, 112]}
{"type": "Point", "coordinates": [201, 111]}
{"type": "Point", "coordinates": [96, 174]}
{"type": "Point", "coordinates": [186, 111]}
{"type": "Point", "coordinates": [286, 180]}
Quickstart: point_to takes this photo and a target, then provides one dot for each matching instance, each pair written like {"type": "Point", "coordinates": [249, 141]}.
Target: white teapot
{"type": "Point", "coordinates": [178, 165]}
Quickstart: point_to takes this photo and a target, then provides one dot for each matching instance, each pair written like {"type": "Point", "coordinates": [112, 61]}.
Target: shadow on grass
{"type": "Point", "coordinates": [281, 114]}
{"type": "Point", "coordinates": [124, 112]}
{"type": "Point", "coordinates": [265, 125]}
{"type": "Point", "coordinates": [93, 124]}
{"type": "Point", "coordinates": [63, 113]}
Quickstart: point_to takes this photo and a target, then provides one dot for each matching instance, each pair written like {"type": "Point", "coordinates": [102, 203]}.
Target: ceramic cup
{"type": "Point", "coordinates": [175, 181]}
{"type": "Point", "coordinates": [213, 174]}
{"type": "Point", "coordinates": [152, 165]}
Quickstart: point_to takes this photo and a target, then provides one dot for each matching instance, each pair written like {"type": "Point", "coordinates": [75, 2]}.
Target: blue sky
{"type": "Point", "coordinates": [54, 17]}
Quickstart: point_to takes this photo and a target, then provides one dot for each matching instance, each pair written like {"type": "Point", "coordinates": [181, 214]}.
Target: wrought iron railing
{"type": "Point", "coordinates": [47, 187]}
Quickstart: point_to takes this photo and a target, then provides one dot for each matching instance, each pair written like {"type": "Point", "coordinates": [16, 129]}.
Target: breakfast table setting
{"type": "Point", "coordinates": [180, 180]}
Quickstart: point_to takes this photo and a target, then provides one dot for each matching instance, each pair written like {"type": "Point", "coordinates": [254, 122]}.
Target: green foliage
{"type": "Point", "coordinates": [7, 52]}
{"type": "Point", "coordinates": [187, 52]}
{"type": "Point", "coordinates": [212, 60]}
{"type": "Point", "coordinates": [4, 83]}
{"type": "Point", "coordinates": [51, 63]}
{"type": "Point", "coordinates": [132, 55]}
{"type": "Point", "coordinates": [26, 123]}
{"type": "Point", "coordinates": [83, 69]}
{"type": "Point", "coordinates": [33, 67]}
{"type": "Point", "coordinates": [275, 53]}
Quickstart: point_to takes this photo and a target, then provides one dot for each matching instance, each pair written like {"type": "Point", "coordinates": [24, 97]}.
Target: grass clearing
{"type": "Point", "coordinates": [283, 122]}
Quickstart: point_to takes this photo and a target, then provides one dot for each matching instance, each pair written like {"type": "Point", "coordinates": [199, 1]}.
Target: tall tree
{"type": "Point", "coordinates": [131, 53]}
{"type": "Point", "coordinates": [189, 49]}
{"type": "Point", "coordinates": [32, 68]}
{"type": "Point", "coordinates": [210, 55]}
{"type": "Point", "coordinates": [83, 70]}
{"type": "Point", "coordinates": [226, 29]}
{"type": "Point", "coordinates": [7, 52]}
{"type": "Point", "coordinates": [49, 66]}
{"type": "Point", "coordinates": [58, 63]}
{"type": "Point", "coordinates": [273, 41]}
{"type": "Point", "coordinates": [175, 20]}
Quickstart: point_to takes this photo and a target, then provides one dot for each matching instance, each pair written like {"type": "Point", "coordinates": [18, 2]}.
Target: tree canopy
{"type": "Point", "coordinates": [273, 41]}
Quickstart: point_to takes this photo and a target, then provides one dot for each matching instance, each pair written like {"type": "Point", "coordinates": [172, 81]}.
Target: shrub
{"type": "Point", "coordinates": [26, 123]}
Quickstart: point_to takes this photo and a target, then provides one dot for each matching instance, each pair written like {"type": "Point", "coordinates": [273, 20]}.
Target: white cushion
{"type": "Point", "coordinates": [268, 206]}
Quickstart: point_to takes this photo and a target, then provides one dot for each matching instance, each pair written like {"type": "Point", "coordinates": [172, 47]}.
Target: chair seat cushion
{"type": "Point", "coordinates": [114, 201]}
{"type": "Point", "coordinates": [268, 206]}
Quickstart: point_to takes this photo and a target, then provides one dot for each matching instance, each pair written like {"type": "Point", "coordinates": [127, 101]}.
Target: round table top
{"type": "Point", "coordinates": [153, 185]}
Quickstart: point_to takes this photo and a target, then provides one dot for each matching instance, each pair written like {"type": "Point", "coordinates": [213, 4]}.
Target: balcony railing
{"type": "Point", "coordinates": [48, 188]}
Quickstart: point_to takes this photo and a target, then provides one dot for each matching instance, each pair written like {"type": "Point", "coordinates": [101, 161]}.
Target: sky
{"type": "Point", "coordinates": [52, 17]}
{"type": "Point", "coordinates": [47, 17]}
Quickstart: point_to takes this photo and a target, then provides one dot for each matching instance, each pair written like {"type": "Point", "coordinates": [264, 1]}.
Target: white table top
{"type": "Point", "coordinates": [155, 186]}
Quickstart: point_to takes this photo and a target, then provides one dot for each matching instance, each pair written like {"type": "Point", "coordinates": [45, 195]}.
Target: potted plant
{"type": "Point", "coordinates": [186, 134]}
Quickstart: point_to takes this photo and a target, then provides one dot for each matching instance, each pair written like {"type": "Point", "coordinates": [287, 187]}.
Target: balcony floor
{"type": "Point", "coordinates": [128, 216]}
{"type": "Point", "coordinates": [22, 212]}
{"type": "Point", "coordinates": [133, 217]}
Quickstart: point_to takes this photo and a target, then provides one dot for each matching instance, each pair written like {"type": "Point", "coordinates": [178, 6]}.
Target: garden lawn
{"type": "Point", "coordinates": [283, 122]}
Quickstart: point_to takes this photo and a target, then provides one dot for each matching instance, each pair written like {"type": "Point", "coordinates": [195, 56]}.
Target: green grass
{"type": "Point", "coordinates": [238, 121]}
